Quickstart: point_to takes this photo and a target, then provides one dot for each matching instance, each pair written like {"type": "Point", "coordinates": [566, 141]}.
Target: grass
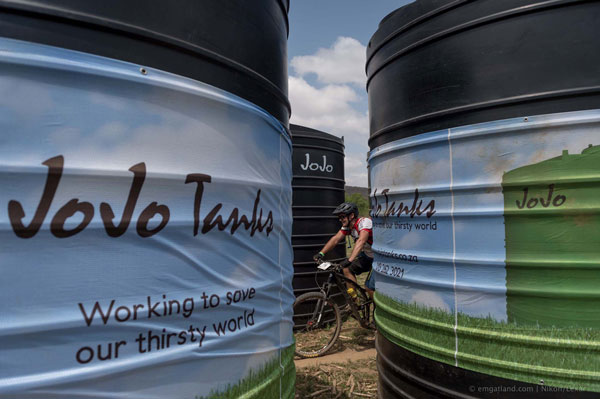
{"type": "Point", "coordinates": [356, 379]}
{"type": "Point", "coordinates": [267, 382]}
{"type": "Point", "coordinates": [561, 357]}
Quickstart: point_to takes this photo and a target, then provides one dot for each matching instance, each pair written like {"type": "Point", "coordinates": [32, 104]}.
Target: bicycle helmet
{"type": "Point", "coordinates": [346, 208]}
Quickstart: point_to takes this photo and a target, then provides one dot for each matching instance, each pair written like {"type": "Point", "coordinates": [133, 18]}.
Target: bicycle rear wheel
{"type": "Point", "coordinates": [317, 324]}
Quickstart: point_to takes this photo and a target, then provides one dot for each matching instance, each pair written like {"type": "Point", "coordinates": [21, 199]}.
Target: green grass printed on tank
{"type": "Point", "coordinates": [268, 382]}
{"type": "Point", "coordinates": [562, 357]}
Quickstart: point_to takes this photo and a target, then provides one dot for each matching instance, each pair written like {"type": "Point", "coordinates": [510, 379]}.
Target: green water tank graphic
{"type": "Point", "coordinates": [552, 224]}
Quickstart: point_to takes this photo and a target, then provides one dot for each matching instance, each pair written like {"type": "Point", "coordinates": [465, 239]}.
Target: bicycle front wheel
{"type": "Point", "coordinates": [317, 324]}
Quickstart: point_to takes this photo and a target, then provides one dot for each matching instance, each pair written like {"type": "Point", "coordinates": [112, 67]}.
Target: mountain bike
{"type": "Point", "coordinates": [318, 319]}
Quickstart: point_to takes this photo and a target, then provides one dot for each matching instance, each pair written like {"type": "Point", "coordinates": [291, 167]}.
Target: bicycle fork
{"type": "Point", "coordinates": [318, 312]}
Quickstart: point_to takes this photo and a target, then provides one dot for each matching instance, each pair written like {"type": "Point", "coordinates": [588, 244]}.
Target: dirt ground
{"type": "Point", "coordinates": [352, 379]}
{"type": "Point", "coordinates": [338, 357]}
{"type": "Point", "coordinates": [348, 370]}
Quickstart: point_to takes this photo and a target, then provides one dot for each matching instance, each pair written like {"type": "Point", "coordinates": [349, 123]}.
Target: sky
{"type": "Point", "coordinates": [326, 64]}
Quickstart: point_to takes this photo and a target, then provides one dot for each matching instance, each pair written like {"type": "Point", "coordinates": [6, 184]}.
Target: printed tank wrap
{"type": "Point", "coordinates": [487, 247]}
{"type": "Point", "coordinates": [146, 222]}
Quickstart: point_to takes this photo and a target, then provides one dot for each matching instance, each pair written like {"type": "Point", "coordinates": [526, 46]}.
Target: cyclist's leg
{"type": "Point", "coordinates": [356, 267]}
{"type": "Point", "coordinates": [349, 274]}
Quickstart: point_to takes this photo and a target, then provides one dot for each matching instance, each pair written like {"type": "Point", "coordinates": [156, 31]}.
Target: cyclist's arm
{"type": "Point", "coordinates": [333, 241]}
{"type": "Point", "coordinates": [363, 236]}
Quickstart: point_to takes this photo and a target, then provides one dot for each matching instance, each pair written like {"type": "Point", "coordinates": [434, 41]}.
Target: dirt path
{"type": "Point", "coordinates": [339, 357]}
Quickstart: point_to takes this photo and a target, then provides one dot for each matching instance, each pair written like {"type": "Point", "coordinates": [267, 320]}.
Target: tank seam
{"type": "Point", "coordinates": [453, 251]}
{"type": "Point", "coordinates": [280, 267]}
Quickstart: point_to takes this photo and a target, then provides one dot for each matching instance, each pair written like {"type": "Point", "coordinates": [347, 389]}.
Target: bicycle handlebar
{"type": "Point", "coordinates": [336, 266]}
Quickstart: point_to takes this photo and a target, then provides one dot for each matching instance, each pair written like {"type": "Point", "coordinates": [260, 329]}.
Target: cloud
{"type": "Point", "coordinates": [324, 104]}
{"type": "Point", "coordinates": [25, 99]}
{"type": "Point", "coordinates": [330, 109]}
{"type": "Point", "coordinates": [480, 304]}
{"type": "Point", "coordinates": [484, 159]}
{"type": "Point", "coordinates": [344, 62]}
{"type": "Point", "coordinates": [356, 169]}
{"type": "Point", "coordinates": [335, 103]}
{"type": "Point", "coordinates": [407, 170]}
{"type": "Point", "coordinates": [430, 299]}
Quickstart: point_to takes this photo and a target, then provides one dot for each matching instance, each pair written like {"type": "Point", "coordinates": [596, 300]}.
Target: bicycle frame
{"type": "Point", "coordinates": [317, 318]}
{"type": "Point", "coordinates": [335, 276]}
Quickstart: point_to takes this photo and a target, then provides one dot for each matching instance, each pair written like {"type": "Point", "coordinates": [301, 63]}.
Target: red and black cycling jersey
{"type": "Point", "coordinates": [362, 223]}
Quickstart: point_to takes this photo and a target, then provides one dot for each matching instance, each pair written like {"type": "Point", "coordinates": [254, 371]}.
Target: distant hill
{"type": "Point", "coordinates": [360, 190]}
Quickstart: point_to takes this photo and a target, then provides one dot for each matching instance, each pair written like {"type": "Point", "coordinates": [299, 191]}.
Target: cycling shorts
{"type": "Point", "coordinates": [363, 264]}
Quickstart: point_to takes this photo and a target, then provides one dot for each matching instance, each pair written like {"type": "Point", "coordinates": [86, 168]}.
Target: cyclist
{"type": "Point", "coordinates": [361, 258]}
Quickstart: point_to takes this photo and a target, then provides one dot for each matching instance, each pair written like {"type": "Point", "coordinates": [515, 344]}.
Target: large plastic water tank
{"type": "Point", "coordinates": [317, 189]}
{"type": "Point", "coordinates": [485, 122]}
{"type": "Point", "coordinates": [146, 202]}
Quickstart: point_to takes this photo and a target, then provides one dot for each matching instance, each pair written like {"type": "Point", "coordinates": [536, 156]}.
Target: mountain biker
{"type": "Point", "coordinates": [361, 258]}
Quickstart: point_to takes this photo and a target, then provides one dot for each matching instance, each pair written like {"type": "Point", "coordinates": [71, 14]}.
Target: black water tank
{"type": "Point", "coordinates": [212, 41]}
{"type": "Point", "coordinates": [197, 91]}
{"type": "Point", "coordinates": [317, 187]}
{"type": "Point", "coordinates": [435, 67]}
{"type": "Point", "coordinates": [437, 64]}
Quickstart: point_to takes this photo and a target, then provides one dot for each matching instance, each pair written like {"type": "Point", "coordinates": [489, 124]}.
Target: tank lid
{"type": "Point", "coordinates": [303, 131]}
